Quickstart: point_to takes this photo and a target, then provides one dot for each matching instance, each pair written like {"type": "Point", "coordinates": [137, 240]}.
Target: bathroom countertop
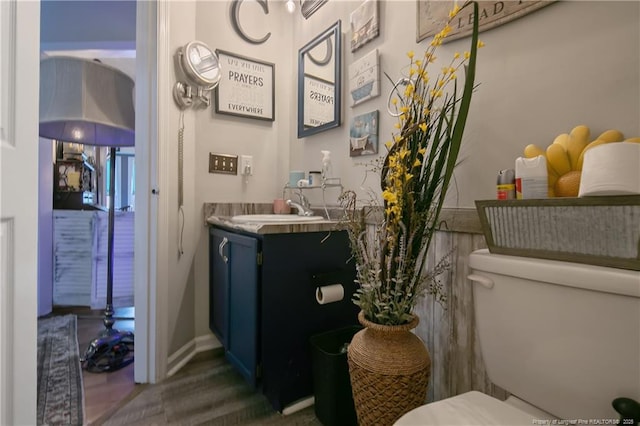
{"type": "Point", "coordinates": [275, 228]}
{"type": "Point", "coordinates": [463, 220]}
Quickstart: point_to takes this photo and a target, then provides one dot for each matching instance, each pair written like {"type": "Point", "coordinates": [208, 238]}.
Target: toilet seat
{"type": "Point", "coordinates": [470, 408]}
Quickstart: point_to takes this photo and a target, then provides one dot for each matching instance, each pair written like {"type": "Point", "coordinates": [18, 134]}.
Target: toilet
{"type": "Point", "coordinates": [563, 338]}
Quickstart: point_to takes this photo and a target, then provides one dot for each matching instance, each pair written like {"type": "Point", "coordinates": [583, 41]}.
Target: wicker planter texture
{"type": "Point", "coordinates": [389, 368]}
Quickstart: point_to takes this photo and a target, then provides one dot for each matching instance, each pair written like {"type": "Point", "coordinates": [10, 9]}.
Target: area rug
{"type": "Point", "coordinates": [60, 389]}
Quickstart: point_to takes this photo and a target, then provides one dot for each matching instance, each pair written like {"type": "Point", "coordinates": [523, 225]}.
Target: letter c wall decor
{"type": "Point", "coordinates": [235, 21]}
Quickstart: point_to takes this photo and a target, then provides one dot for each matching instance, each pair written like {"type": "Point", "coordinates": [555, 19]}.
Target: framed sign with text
{"type": "Point", "coordinates": [364, 78]}
{"type": "Point", "coordinates": [433, 15]}
{"type": "Point", "coordinates": [246, 88]}
{"type": "Point", "coordinates": [319, 98]}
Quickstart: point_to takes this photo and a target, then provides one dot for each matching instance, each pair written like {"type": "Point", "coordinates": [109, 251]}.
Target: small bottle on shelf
{"type": "Point", "coordinates": [326, 166]}
{"type": "Point", "coordinates": [315, 178]}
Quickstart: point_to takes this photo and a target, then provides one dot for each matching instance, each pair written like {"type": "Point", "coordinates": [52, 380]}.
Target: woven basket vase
{"type": "Point", "coordinates": [389, 368]}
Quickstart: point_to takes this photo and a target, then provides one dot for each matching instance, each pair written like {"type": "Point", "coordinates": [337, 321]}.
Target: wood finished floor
{"type": "Point", "coordinates": [103, 392]}
{"type": "Point", "coordinates": [205, 391]}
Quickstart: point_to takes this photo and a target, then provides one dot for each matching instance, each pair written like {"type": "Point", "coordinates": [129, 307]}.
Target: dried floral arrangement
{"type": "Point", "coordinates": [415, 174]}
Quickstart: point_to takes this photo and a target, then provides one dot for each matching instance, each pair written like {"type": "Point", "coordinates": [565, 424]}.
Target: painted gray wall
{"type": "Point", "coordinates": [181, 300]}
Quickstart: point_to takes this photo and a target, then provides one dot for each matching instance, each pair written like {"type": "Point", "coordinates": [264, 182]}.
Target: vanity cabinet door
{"type": "Point", "coordinates": [218, 284]}
{"type": "Point", "coordinates": [233, 298]}
{"type": "Point", "coordinates": [242, 340]}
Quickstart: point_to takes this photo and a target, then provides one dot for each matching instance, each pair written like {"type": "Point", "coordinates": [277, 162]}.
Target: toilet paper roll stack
{"type": "Point", "coordinates": [611, 169]}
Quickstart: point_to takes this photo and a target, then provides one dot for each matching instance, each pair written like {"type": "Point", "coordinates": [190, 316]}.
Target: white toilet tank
{"type": "Point", "coordinates": [564, 337]}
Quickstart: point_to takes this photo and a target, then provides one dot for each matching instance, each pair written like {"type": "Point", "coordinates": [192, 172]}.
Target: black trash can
{"type": "Point", "coordinates": [331, 383]}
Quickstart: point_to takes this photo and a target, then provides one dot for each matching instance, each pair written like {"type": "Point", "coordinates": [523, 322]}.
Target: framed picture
{"type": "Point", "coordinates": [433, 15]}
{"type": "Point", "coordinates": [307, 7]}
{"type": "Point", "coordinates": [365, 25]}
{"type": "Point", "coordinates": [319, 96]}
{"type": "Point", "coordinates": [364, 78]}
{"type": "Point", "coordinates": [246, 88]}
{"type": "Point", "coordinates": [363, 134]}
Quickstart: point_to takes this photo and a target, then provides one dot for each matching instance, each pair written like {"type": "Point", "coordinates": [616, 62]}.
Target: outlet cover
{"type": "Point", "coordinates": [246, 165]}
{"type": "Point", "coordinates": [223, 163]}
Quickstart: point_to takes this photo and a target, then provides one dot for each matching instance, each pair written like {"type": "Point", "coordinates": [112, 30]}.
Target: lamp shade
{"type": "Point", "coordinates": [86, 102]}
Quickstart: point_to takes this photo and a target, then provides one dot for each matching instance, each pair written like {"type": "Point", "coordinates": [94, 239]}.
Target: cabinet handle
{"type": "Point", "coordinates": [225, 259]}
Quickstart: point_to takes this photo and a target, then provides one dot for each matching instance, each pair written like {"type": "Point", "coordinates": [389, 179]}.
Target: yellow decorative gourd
{"type": "Point", "coordinates": [565, 156]}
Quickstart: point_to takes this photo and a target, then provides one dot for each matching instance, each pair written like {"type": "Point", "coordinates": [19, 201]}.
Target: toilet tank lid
{"type": "Point", "coordinates": [470, 408]}
{"type": "Point", "coordinates": [590, 277]}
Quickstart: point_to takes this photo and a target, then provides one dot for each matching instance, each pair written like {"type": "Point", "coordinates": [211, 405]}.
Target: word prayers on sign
{"type": "Point", "coordinates": [319, 98]}
{"type": "Point", "coordinates": [246, 87]}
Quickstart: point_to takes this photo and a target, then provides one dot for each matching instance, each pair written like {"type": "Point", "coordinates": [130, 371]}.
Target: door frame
{"type": "Point", "coordinates": [153, 80]}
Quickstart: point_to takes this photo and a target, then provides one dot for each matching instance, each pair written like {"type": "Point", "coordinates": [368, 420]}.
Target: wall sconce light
{"type": "Point", "coordinates": [199, 64]}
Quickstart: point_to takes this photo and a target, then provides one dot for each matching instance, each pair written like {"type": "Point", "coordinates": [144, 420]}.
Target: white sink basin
{"type": "Point", "coordinates": [274, 218]}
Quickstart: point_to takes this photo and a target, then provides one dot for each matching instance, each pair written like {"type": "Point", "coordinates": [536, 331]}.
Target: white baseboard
{"type": "Point", "coordinates": [179, 358]}
{"type": "Point", "coordinates": [182, 356]}
{"type": "Point", "coordinates": [206, 343]}
{"type": "Point", "coordinates": [300, 404]}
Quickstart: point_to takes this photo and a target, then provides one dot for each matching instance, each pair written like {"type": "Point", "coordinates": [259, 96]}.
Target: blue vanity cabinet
{"type": "Point", "coordinates": [263, 305]}
{"type": "Point", "coordinates": [233, 298]}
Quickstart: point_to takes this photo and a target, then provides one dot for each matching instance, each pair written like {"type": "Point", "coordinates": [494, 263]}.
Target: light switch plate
{"type": "Point", "coordinates": [223, 163]}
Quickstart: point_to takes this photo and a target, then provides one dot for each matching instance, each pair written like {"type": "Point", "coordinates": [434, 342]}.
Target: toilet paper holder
{"type": "Point", "coordinates": [332, 286]}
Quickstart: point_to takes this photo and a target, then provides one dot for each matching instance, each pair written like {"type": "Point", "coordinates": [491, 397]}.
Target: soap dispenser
{"type": "Point", "coordinates": [326, 165]}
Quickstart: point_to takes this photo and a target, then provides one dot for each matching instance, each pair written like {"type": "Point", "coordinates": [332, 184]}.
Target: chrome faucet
{"type": "Point", "coordinates": [301, 208]}
{"type": "Point", "coordinates": [304, 201]}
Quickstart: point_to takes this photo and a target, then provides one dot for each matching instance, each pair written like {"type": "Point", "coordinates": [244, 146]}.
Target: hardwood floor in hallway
{"type": "Point", "coordinates": [103, 392]}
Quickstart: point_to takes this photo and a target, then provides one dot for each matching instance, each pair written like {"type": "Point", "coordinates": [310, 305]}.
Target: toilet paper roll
{"type": "Point", "coordinates": [329, 293]}
{"type": "Point", "coordinates": [611, 169]}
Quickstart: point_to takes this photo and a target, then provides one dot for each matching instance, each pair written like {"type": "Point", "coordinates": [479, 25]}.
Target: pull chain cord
{"type": "Point", "coordinates": [181, 218]}
{"type": "Point", "coordinates": [181, 215]}
{"type": "Point", "coordinates": [180, 159]}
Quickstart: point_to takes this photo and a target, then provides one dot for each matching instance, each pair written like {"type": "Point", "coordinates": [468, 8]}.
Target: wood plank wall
{"type": "Point", "coordinates": [449, 329]}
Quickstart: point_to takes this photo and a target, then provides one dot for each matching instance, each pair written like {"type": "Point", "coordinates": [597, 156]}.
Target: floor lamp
{"type": "Point", "coordinates": [91, 103]}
